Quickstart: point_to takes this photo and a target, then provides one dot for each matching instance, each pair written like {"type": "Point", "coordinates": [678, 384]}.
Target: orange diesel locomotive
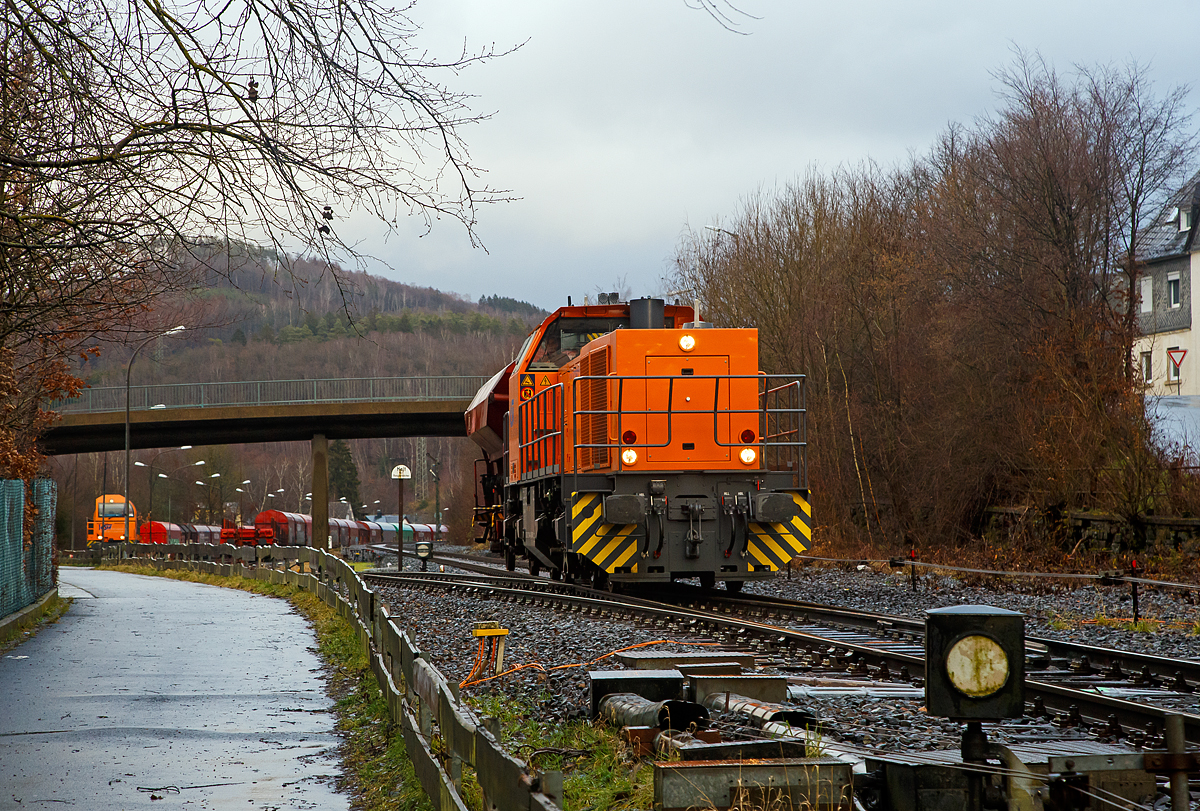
{"type": "Point", "coordinates": [628, 443]}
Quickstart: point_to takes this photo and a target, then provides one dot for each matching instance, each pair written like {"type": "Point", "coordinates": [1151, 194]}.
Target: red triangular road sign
{"type": "Point", "coordinates": [1176, 356]}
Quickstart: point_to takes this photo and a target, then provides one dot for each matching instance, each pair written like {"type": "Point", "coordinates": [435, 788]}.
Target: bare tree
{"type": "Point", "coordinates": [130, 132]}
{"type": "Point", "coordinates": [965, 321]}
{"type": "Point", "coordinates": [1146, 148]}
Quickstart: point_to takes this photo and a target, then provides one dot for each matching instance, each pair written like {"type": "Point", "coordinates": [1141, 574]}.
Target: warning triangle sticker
{"type": "Point", "coordinates": [545, 380]}
{"type": "Point", "coordinates": [526, 380]}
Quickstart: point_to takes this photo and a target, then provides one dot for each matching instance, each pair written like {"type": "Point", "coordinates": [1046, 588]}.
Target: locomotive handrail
{"type": "Point", "coordinates": [537, 418]}
{"type": "Point", "coordinates": [620, 412]}
{"type": "Point", "coordinates": [767, 439]}
{"type": "Point", "coordinates": [763, 410]}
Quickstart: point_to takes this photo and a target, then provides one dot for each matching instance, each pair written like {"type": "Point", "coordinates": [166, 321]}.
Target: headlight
{"type": "Point", "coordinates": [977, 666]}
{"type": "Point", "coordinates": [629, 456]}
{"type": "Point", "coordinates": [687, 343]}
{"type": "Point", "coordinates": [748, 456]}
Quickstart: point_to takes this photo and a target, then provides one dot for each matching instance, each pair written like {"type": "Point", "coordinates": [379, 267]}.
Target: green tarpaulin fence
{"type": "Point", "coordinates": [26, 563]}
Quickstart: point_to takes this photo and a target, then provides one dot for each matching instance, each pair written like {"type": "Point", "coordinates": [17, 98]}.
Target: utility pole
{"type": "Point", "coordinates": [420, 490]}
{"type": "Point", "coordinates": [434, 466]}
{"type": "Point", "coordinates": [400, 473]}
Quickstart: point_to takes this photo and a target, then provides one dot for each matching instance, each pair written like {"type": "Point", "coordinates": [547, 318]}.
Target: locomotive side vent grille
{"type": "Point", "coordinates": [593, 428]}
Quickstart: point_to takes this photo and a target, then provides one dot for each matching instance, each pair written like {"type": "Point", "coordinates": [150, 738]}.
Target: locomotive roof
{"type": "Point", "coordinates": [603, 311]}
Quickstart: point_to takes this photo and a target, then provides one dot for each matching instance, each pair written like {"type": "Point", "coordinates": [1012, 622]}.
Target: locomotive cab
{"type": "Point", "coordinates": [640, 447]}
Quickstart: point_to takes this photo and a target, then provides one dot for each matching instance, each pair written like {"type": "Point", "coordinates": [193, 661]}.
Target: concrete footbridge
{"type": "Point", "coordinates": [261, 411]}
{"type": "Point", "coordinates": [264, 411]}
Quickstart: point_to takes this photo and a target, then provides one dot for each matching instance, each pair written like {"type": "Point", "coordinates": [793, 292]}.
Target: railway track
{"type": "Point", "coordinates": [818, 639]}
{"type": "Point", "coordinates": [1053, 659]}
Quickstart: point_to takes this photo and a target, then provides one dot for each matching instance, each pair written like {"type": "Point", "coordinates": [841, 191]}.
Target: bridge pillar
{"type": "Point", "coordinates": [320, 491]}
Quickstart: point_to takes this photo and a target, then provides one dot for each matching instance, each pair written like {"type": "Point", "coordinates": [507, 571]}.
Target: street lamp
{"type": "Point", "coordinates": [241, 514]}
{"type": "Point", "coordinates": [167, 476]}
{"type": "Point", "coordinates": [128, 373]}
{"type": "Point", "coordinates": [400, 473]}
{"type": "Point", "coordinates": [208, 497]}
{"type": "Point", "coordinates": [435, 465]}
{"type": "Point", "coordinates": [220, 498]}
{"type": "Point", "coordinates": [150, 511]}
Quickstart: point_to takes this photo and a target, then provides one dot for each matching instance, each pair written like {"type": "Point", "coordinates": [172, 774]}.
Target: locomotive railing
{"type": "Point", "coordinates": [272, 392]}
{"type": "Point", "coordinates": [782, 435]}
{"type": "Point", "coordinates": [539, 433]}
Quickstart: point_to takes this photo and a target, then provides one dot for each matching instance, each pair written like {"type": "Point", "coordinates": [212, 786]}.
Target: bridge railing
{"type": "Point", "coordinates": [272, 392]}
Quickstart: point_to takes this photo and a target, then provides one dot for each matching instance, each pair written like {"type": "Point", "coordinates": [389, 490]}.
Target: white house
{"type": "Point", "coordinates": [1168, 351]}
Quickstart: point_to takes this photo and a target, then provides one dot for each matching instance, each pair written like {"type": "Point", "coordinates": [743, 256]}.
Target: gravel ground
{"type": "Point", "coordinates": [1050, 610]}
{"type": "Point", "coordinates": [443, 623]}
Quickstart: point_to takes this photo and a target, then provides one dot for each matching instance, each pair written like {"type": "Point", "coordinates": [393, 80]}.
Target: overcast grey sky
{"type": "Point", "coordinates": [619, 122]}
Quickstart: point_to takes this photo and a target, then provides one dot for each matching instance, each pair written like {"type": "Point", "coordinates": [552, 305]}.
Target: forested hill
{"type": "Point", "coordinates": [256, 317]}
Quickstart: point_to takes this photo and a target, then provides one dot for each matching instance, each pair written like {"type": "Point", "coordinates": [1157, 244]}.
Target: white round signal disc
{"type": "Point", "coordinates": [977, 666]}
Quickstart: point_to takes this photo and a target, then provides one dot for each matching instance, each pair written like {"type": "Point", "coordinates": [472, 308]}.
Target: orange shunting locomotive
{"type": "Point", "coordinates": [630, 443]}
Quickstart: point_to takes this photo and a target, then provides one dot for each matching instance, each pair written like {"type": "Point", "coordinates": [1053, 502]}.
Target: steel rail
{"type": "Point", "coordinates": [1092, 706]}
{"type": "Point", "coordinates": [1131, 663]}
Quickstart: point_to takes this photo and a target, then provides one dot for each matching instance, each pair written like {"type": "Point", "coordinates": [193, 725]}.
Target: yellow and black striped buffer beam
{"type": "Point", "coordinates": [609, 546]}
{"type": "Point", "coordinates": [773, 545]}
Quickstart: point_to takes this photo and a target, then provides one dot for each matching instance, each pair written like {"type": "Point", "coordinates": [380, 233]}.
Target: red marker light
{"type": "Point", "coordinates": [747, 436]}
{"type": "Point", "coordinates": [629, 437]}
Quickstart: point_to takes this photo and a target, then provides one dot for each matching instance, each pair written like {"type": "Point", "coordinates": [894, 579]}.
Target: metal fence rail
{"type": "Point", "coordinates": [26, 565]}
{"type": "Point", "coordinates": [273, 392]}
{"type": "Point", "coordinates": [419, 698]}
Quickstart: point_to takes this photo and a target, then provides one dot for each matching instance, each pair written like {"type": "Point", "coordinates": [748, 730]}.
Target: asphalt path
{"type": "Point", "coordinates": [156, 693]}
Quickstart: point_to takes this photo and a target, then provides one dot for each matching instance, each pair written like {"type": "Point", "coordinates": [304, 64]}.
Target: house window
{"type": "Point", "coordinates": [1147, 294]}
{"type": "Point", "coordinates": [1185, 219]}
{"type": "Point", "coordinates": [1174, 299]}
{"type": "Point", "coordinates": [1147, 364]}
{"type": "Point", "coordinates": [1172, 366]}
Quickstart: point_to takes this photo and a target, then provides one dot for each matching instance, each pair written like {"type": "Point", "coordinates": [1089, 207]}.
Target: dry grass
{"type": "Point", "coordinates": [1032, 557]}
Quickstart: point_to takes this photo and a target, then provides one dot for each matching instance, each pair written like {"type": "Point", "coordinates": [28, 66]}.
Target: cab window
{"type": "Point", "coordinates": [564, 337]}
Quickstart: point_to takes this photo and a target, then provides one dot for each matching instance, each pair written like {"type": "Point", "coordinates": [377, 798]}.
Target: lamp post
{"type": "Point", "coordinates": [167, 476]}
{"type": "Point", "coordinates": [434, 466]}
{"type": "Point", "coordinates": [220, 499]}
{"type": "Point", "coordinates": [400, 473]}
{"type": "Point", "coordinates": [208, 499]}
{"type": "Point", "coordinates": [128, 374]}
{"type": "Point", "coordinates": [243, 492]}
{"type": "Point", "coordinates": [150, 510]}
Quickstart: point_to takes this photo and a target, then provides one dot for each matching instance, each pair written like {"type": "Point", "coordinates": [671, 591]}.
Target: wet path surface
{"type": "Point", "coordinates": [212, 696]}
